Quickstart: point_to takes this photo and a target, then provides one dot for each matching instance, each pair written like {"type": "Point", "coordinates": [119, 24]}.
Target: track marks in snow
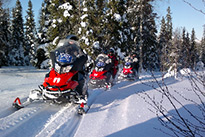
{"type": "Point", "coordinates": [16, 117]}
{"type": "Point", "coordinates": [58, 122]}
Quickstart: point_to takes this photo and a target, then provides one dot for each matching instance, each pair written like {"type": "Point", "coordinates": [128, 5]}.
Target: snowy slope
{"type": "Point", "coordinates": [120, 111]}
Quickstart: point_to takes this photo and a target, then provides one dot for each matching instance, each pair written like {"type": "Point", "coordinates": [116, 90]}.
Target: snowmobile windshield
{"type": "Point", "coordinates": [67, 51]}
{"type": "Point", "coordinates": [100, 64]}
{"type": "Point", "coordinates": [65, 55]}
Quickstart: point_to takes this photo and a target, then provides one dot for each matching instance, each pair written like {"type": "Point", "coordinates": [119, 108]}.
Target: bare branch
{"type": "Point", "coordinates": [195, 7]}
{"type": "Point", "coordinates": [175, 121]}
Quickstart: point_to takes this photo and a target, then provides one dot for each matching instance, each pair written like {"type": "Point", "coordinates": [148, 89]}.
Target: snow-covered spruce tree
{"type": "Point", "coordinates": [202, 48]}
{"type": "Point", "coordinates": [143, 31]}
{"type": "Point", "coordinates": [117, 30]}
{"type": "Point", "coordinates": [133, 12]}
{"type": "Point", "coordinates": [188, 47]}
{"type": "Point", "coordinates": [55, 13]}
{"type": "Point", "coordinates": [147, 43]}
{"type": "Point", "coordinates": [175, 51]}
{"type": "Point", "coordinates": [97, 22]}
{"type": "Point", "coordinates": [31, 36]}
{"type": "Point", "coordinates": [169, 27]}
{"type": "Point", "coordinates": [85, 31]}
{"type": "Point", "coordinates": [92, 23]}
{"type": "Point", "coordinates": [64, 17]}
{"type": "Point", "coordinates": [44, 22]}
{"type": "Point", "coordinates": [125, 36]}
{"type": "Point", "coordinates": [168, 46]}
{"type": "Point", "coordinates": [16, 50]}
{"type": "Point", "coordinates": [193, 51]}
{"type": "Point", "coordinates": [4, 35]}
{"type": "Point", "coordinates": [162, 45]}
{"type": "Point", "coordinates": [185, 50]}
{"type": "Point", "coordinates": [150, 45]}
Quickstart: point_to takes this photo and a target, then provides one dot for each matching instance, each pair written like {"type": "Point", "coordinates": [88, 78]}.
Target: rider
{"type": "Point", "coordinates": [132, 58]}
{"type": "Point", "coordinates": [135, 64]}
{"type": "Point", "coordinates": [114, 59]}
{"type": "Point", "coordinates": [68, 51]}
{"type": "Point", "coordinates": [103, 57]}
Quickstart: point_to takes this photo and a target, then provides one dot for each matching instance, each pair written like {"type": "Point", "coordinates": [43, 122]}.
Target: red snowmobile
{"type": "Point", "coordinates": [60, 84]}
{"type": "Point", "coordinates": [127, 73]}
{"type": "Point", "coordinates": [100, 76]}
{"type": "Point", "coordinates": [58, 87]}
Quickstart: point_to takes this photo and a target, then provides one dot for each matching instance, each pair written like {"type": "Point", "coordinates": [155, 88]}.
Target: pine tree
{"type": "Point", "coordinates": [92, 24]}
{"type": "Point", "coordinates": [31, 36]}
{"type": "Point", "coordinates": [4, 35]}
{"type": "Point", "coordinates": [16, 51]}
{"type": "Point", "coordinates": [117, 26]}
{"type": "Point", "coordinates": [133, 15]}
{"type": "Point", "coordinates": [188, 52]}
{"type": "Point", "coordinates": [169, 24]}
{"type": "Point", "coordinates": [63, 17]}
{"type": "Point", "coordinates": [97, 20]}
{"type": "Point", "coordinates": [125, 36]}
{"type": "Point", "coordinates": [113, 21]}
{"type": "Point", "coordinates": [44, 22]}
{"type": "Point", "coordinates": [202, 48]}
{"type": "Point", "coordinates": [147, 33]}
{"type": "Point", "coordinates": [150, 45]}
{"type": "Point", "coordinates": [193, 52]}
{"type": "Point", "coordinates": [162, 45]}
{"type": "Point", "coordinates": [183, 48]}
{"type": "Point", "coordinates": [175, 50]}
{"type": "Point", "coordinates": [168, 47]}
{"type": "Point", "coordinates": [85, 31]}
{"type": "Point", "coordinates": [55, 13]}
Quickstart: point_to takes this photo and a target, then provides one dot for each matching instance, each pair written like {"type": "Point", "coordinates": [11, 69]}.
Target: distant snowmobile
{"type": "Point", "coordinates": [60, 84]}
{"type": "Point", "coordinates": [127, 73]}
{"type": "Point", "coordinates": [101, 76]}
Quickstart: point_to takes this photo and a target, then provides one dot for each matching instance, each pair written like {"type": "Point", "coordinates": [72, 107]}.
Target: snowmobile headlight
{"type": "Point", "coordinates": [127, 66]}
{"type": "Point", "coordinates": [59, 69]}
{"type": "Point", "coordinates": [66, 69]}
{"type": "Point", "coordinates": [99, 69]}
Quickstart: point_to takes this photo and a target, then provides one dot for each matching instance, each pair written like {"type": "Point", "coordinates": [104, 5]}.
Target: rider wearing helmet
{"type": "Point", "coordinates": [114, 59]}
{"type": "Point", "coordinates": [68, 52]}
{"type": "Point", "coordinates": [103, 57]}
{"type": "Point", "coordinates": [132, 58]}
{"type": "Point", "coordinates": [135, 61]}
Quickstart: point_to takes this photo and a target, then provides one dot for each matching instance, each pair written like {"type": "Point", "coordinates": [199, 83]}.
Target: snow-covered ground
{"type": "Point", "coordinates": [119, 112]}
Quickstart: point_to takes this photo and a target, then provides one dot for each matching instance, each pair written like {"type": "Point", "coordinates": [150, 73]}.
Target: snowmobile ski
{"type": "Point", "coordinates": [83, 109]}
{"type": "Point", "coordinates": [18, 105]}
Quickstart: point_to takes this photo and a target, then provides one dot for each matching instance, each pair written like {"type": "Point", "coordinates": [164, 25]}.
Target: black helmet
{"type": "Point", "coordinates": [111, 51]}
{"type": "Point", "coordinates": [105, 51]}
{"type": "Point", "coordinates": [72, 37]}
{"type": "Point", "coordinates": [134, 54]}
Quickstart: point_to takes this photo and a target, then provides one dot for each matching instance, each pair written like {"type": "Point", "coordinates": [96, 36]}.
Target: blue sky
{"type": "Point", "coordinates": [183, 15]}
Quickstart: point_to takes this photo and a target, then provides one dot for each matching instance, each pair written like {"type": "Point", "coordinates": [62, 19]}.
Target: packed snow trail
{"type": "Point", "coordinates": [120, 111]}
{"type": "Point", "coordinates": [38, 118]}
